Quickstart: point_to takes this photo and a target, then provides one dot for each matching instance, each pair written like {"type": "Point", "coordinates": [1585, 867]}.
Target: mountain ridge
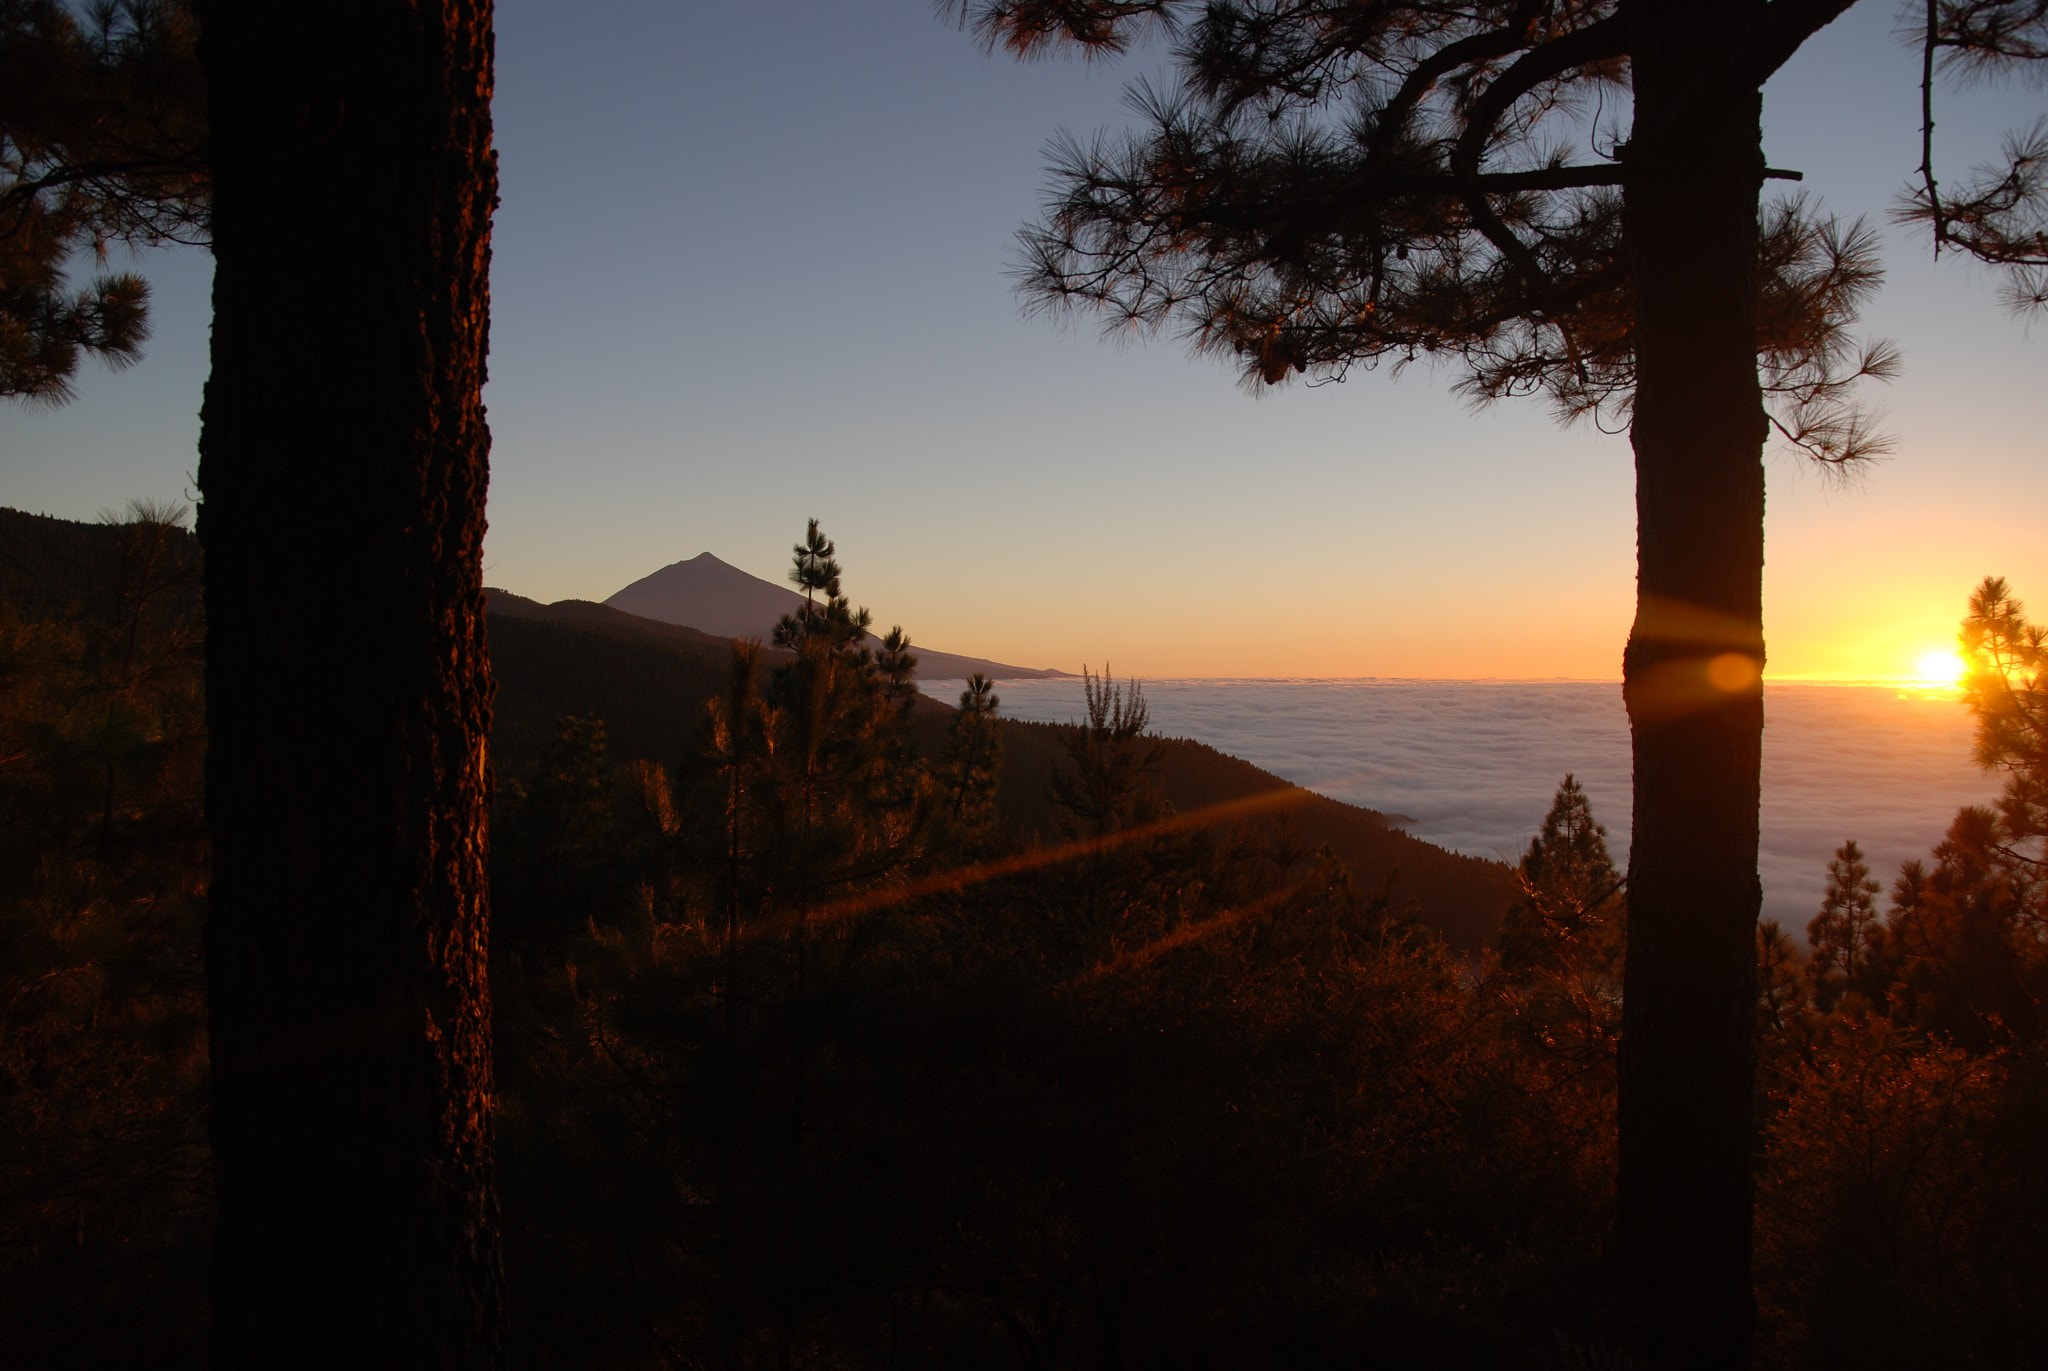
{"type": "Point", "coordinates": [715, 597]}
{"type": "Point", "coordinates": [648, 681]}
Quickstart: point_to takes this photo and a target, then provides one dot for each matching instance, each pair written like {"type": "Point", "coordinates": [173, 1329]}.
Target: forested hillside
{"type": "Point", "coordinates": [647, 681]}
{"type": "Point", "coordinates": [105, 1192]}
{"type": "Point", "coordinates": [837, 1028]}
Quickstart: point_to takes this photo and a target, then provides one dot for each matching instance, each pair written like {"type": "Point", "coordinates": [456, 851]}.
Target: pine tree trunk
{"type": "Point", "coordinates": [343, 469]}
{"type": "Point", "coordinates": [1692, 683]}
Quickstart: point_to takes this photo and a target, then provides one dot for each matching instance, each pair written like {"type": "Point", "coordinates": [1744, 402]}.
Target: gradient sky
{"type": "Point", "coordinates": [750, 268]}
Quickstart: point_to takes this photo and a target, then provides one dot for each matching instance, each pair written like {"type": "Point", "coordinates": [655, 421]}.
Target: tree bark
{"type": "Point", "coordinates": [343, 468]}
{"type": "Point", "coordinates": [1692, 684]}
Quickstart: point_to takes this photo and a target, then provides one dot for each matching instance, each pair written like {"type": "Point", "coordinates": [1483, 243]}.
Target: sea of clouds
{"type": "Point", "coordinates": [1472, 765]}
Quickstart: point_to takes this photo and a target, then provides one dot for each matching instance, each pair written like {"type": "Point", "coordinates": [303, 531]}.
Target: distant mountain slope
{"type": "Point", "coordinates": [648, 687]}
{"type": "Point", "coordinates": [1461, 897]}
{"type": "Point", "coordinates": [597, 616]}
{"type": "Point", "coordinates": [711, 595]}
{"type": "Point", "coordinates": [50, 568]}
{"type": "Point", "coordinates": [717, 598]}
{"type": "Point", "coordinates": [648, 681]}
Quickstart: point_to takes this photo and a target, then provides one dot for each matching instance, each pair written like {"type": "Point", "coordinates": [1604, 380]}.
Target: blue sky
{"type": "Point", "coordinates": [750, 268]}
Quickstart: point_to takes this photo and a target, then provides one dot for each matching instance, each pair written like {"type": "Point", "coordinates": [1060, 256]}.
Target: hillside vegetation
{"type": "Point", "coordinates": [648, 681]}
{"type": "Point", "coordinates": [839, 1028]}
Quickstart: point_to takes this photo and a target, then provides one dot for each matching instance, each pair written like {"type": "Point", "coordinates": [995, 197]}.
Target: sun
{"type": "Point", "coordinates": [1940, 667]}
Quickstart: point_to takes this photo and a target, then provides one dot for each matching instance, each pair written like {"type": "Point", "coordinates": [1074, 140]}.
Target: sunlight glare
{"type": "Point", "coordinates": [1941, 667]}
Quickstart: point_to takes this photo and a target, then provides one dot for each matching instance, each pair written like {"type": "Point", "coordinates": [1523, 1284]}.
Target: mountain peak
{"type": "Point", "coordinates": [718, 598]}
{"type": "Point", "coordinates": [708, 594]}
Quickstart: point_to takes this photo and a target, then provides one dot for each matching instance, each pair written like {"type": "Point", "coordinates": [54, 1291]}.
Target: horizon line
{"type": "Point", "coordinates": [1890, 682]}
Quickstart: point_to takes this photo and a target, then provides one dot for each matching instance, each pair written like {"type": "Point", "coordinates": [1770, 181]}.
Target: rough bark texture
{"type": "Point", "coordinates": [343, 468]}
{"type": "Point", "coordinates": [1695, 702]}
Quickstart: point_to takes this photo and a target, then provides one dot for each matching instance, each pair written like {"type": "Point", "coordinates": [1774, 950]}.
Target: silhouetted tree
{"type": "Point", "coordinates": [1846, 937]}
{"type": "Point", "coordinates": [734, 750]}
{"type": "Point", "coordinates": [343, 462]}
{"type": "Point", "coordinates": [1131, 881]}
{"type": "Point", "coordinates": [102, 127]}
{"type": "Point", "coordinates": [1902, 1198]}
{"type": "Point", "coordinates": [1781, 988]}
{"type": "Point", "coordinates": [1336, 184]}
{"type": "Point", "coordinates": [1562, 942]}
{"type": "Point", "coordinates": [2007, 690]}
{"type": "Point", "coordinates": [2000, 215]}
{"type": "Point", "coordinates": [1967, 956]}
{"type": "Point", "coordinates": [816, 573]}
{"type": "Point", "coordinates": [1103, 792]}
{"type": "Point", "coordinates": [974, 753]}
{"type": "Point", "coordinates": [1568, 881]}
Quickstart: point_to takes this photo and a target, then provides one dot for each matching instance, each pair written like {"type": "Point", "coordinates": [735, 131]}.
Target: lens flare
{"type": "Point", "coordinates": [1732, 672]}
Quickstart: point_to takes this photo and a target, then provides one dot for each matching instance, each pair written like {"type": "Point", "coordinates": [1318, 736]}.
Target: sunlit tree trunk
{"type": "Point", "coordinates": [343, 468]}
{"type": "Point", "coordinates": [1692, 682]}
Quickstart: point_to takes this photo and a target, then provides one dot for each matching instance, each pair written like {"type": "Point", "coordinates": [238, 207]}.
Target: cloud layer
{"type": "Point", "coordinates": [1474, 763]}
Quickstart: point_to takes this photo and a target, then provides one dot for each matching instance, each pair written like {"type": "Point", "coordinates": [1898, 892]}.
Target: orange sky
{"type": "Point", "coordinates": [777, 290]}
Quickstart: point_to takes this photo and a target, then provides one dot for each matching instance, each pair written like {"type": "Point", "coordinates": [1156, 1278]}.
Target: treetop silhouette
{"type": "Point", "coordinates": [1332, 185]}
{"type": "Point", "coordinates": [102, 130]}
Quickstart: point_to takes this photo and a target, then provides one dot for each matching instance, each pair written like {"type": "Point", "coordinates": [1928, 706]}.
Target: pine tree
{"type": "Point", "coordinates": [842, 807]}
{"type": "Point", "coordinates": [102, 127]}
{"type": "Point", "coordinates": [1966, 940]}
{"type": "Point", "coordinates": [2007, 690]}
{"type": "Point", "coordinates": [1969, 959]}
{"type": "Point", "coordinates": [1846, 937]}
{"type": "Point", "coordinates": [1781, 988]}
{"type": "Point", "coordinates": [974, 752]}
{"type": "Point", "coordinates": [1562, 942]}
{"type": "Point", "coordinates": [1568, 880]}
{"type": "Point", "coordinates": [735, 749]}
{"type": "Point", "coordinates": [1121, 888]}
{"type": "Point", "coordinates": [1104, 791]}
{"type": "Point", "coordinates": [1334, 185]}
{"type": "Point", "coordinates": [826, 612]}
